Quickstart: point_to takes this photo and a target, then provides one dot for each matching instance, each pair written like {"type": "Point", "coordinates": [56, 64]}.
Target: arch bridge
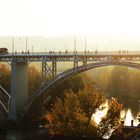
{"type": "Point", "coordinates": [16, 104]}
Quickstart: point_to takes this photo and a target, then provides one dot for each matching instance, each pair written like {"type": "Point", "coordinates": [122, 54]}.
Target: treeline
{"type": "Point", "coordinates": [121, 83]}
{"type": "Point", "coordinates": [124, 85]}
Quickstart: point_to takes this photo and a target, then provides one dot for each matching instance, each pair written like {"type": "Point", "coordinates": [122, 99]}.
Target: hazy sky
{"type": "Point", "coordinates": [117, 20]}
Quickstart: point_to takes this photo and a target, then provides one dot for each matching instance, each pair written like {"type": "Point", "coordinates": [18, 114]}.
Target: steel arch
{"type": "Point", "coordinates": [47, 88]}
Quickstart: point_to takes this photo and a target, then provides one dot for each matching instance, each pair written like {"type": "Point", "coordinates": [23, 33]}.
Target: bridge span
{"type": "Point", "coordinates": [19, 74]}
{"type": "Point", "coordinates": [69, 56]}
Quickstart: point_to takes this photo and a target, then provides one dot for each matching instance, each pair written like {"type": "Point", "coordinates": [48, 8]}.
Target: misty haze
{"type": "Point", "coordinates": [69, 69]}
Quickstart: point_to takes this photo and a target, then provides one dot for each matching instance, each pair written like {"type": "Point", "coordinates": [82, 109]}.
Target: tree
{"type": "Point", "coordinates": [5, 76]}
{"type": "Point", "coordinates": [34, 79]}
{"type": "Point", "coordinates": [44, 103]}
{"type": "Point", "coordinates": [67, 117]}
{"type": "Point", "coordinates": [89, 102]}
{"type": "Point", "coordinates": [75, 83]}
{"type": "Point", "coordinates": [72, 115]}
{"type": "Point", "coordinates": [112, 119]}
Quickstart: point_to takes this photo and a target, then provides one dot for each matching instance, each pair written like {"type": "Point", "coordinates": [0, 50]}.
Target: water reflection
{"type": "Point", "coordinates": [100, 113]}
{"type": "Point", "coordinates": [126, 116]}
{"type": "Point", "coordinates": [129, 117]}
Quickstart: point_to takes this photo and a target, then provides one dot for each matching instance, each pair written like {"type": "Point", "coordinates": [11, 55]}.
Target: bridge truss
{"type": "Point", "coordinates": [5, 99]}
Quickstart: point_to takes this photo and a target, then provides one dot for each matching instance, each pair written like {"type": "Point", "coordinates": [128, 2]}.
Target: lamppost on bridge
{"type": "Point", "coordinates": [26, 43]}
{"type": "Point", "coordinates": [85, 43]}
{"type": "Point", "coordinates": [75, 44]}
{"type": "Point", "coordinates": [44, 49]}
{"type": "Point", "coordinates": [54, 46]}
{"type": "Point", "coordinates": [13, 41]}
{"type": "Point", "coordinates": [66, 51]}
{"type": "Point", "coordinates": [32, 48]}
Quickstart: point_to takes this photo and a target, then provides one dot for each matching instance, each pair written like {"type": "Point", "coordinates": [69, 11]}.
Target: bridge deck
{"type": "Point", "coordinates": [63, 56]}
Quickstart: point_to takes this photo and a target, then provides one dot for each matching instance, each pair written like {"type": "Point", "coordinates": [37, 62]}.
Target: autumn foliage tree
{"type": "Point", "coordinates": [72, 115]}
{"type": "Point", "coordinates": [67, 117]}
{"type": "Point", "coordinates": [5, 76]}
{"type": "Point", "coordinates": [89, 102]}
{"type": "Point", "coordinates": [111, 120]}
{"type": "Point", "coordinates": [75, 83]}
{"type": "Point", "coordinates": [34, 79]}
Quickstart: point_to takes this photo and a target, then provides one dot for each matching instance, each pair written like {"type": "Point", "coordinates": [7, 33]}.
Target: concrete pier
{"type": "Point", "coordinates": [19, 89]}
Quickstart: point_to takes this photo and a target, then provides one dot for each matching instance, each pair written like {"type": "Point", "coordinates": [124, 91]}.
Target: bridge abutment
{"type": "Point", "coordinates": [19, 89]}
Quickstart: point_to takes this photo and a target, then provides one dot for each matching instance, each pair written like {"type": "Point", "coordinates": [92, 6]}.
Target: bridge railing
{"type": "Point", "coordinates": [75, 53]}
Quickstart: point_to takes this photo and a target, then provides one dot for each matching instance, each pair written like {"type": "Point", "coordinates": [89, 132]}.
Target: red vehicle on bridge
{"type": "Point", "coordinates": [3, 51]}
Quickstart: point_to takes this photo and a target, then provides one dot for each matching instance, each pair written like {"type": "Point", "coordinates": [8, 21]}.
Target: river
{"type": "Point", "coordinates": [126, 116]}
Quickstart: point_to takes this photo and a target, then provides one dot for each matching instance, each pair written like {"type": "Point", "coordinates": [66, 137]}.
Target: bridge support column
{"type": "Point", "coordinates": [49, 71]}
{"type": "Point", "coordinates": [54, 69]}
{"type": "Point", "coordinates": [19, 89]}
{"type": "Point", "coordinates": [44, 69]}
{"type": "Point", "coordinates": [84, 63]}
{"type": "Point", "coordinates": [75, 64]}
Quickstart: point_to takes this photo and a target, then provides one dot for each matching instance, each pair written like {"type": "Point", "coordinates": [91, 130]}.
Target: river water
{"type": "Point", "coordinates": [126, 116]}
